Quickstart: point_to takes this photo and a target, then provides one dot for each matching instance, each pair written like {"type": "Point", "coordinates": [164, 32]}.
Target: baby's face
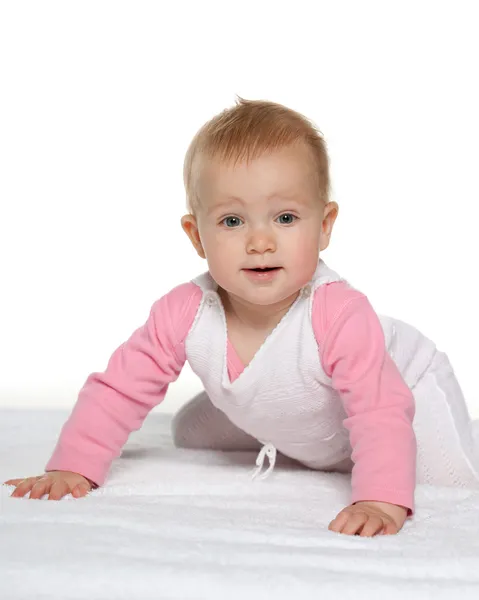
{"type": "Point", "coordinates": [263, 214]}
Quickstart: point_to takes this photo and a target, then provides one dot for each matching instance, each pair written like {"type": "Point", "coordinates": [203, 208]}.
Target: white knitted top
{"type": "Point", "coordinates": [284, 396]}
{"type": "Point", "coordinates": [285, 399]}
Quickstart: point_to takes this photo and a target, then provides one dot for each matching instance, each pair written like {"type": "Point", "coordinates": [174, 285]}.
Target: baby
{"type": "Point", "coordinates": [292, 358]}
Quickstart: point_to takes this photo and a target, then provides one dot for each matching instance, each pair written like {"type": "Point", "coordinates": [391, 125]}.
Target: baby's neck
{"type": "Point", "coordinates": [255, 316]}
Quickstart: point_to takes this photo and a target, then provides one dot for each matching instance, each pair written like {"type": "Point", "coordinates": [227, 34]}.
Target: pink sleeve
{"type": "Point", "coordinates": [114, 403]}
{"type": "Point", "coordinates": [379, 404]}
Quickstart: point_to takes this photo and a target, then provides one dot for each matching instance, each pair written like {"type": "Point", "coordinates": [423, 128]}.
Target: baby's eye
{"type": "Point", "coordinates": [287, 219]}
{"type": "Point", "coordinates": [231, 222]}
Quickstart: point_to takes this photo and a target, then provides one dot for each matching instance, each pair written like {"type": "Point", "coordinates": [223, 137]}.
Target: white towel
{"type": "Point", "coordinates": [181, 524]}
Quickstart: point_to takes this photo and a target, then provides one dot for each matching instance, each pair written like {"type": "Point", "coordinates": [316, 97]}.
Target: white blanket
{"type": "Point", "coordinates": [184, 524]}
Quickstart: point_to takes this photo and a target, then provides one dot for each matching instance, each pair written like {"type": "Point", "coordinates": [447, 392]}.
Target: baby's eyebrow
{"type": "Point", "coordinates": [231, 200]}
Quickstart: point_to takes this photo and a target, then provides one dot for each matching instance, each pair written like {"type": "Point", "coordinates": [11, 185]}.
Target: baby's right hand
{"type": "Point", "coordinates": [55, 483]}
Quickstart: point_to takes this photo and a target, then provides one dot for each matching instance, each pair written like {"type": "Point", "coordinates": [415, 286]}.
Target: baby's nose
{"type": "Point", "coordinates": [261, 241]}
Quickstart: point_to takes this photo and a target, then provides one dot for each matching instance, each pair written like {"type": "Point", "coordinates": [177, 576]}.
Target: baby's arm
{"type": "Point", "coordinates": [114, 403]}
{"type": "Point", "coordinates": [379, 404]}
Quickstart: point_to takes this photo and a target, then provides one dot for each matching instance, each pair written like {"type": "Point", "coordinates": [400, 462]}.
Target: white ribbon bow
{"type": "Point", "coordinates": [267, 450]}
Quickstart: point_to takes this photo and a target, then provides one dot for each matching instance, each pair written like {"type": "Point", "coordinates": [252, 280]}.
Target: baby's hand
{"type": "Point", "coordinates": [369, 518]}
{"type": "Point", "coordinates": [55, 483]}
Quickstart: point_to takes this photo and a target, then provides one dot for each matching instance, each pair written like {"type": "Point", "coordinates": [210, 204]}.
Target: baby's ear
{"type": "Point", "coordinates": [190, 227]}
{"type": "Point", "coordinates": [329, 217]}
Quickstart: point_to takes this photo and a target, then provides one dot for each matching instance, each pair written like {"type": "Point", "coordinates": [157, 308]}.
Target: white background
{"type": "Point", "coordinates": [99, 101]}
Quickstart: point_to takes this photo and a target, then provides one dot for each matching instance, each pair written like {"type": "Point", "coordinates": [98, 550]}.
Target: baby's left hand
{"type": "Point", "coordinates": [370, 518]}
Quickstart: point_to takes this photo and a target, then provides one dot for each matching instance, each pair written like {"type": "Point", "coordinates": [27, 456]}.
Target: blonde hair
{"type": "Point", "coordinates": [246, 131]}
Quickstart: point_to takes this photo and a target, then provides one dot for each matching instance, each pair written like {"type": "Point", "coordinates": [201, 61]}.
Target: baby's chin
{"type": "Point", "coordinates": [260, 297]}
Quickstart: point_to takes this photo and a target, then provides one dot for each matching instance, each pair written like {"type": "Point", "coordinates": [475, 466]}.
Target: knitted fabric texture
{"type": "Point", "coordinates": [284, 397]}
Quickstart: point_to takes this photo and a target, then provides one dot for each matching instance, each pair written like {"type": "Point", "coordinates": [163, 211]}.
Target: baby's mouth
{"type": "Point", "coordinates": [263, 269]}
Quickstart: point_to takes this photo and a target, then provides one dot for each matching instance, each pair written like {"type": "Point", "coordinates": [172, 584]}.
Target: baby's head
{"type": "Point", "coordinates": [257, 185]}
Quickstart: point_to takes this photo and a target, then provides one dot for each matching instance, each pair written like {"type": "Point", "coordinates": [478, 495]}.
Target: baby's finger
{"type": "Point", "coordinates": [372, 526]}
{"type": "Point", "coordinates": [13, 481]}
{"type": "Point", "coordinates": [39, 488]}
{"type": "Point", "coordinates": [390, 529]}
{"type": "Point", "coordinates": [338, 523]}
{"type": "Point", "coordinates": [23, 487]}
{"type": "Point", "coordinates": [80, 490]}
{"type": "Point", "coordinates": [58, 490]}
{"type": "Point", "coordinates": [355, 523]}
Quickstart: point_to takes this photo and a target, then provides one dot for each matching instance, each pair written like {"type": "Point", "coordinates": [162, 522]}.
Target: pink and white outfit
{"type": "Point", "coordinates": [334, 386]}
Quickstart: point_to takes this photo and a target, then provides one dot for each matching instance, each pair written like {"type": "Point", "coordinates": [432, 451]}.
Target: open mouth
{"type": "Point", "coordinates": [265, 270]}
{"type": "Point", "coordinates": [262, 274]}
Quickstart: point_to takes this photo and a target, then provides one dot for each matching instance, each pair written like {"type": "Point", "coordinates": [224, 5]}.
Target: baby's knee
{"type": "Point", "coordinates": [180, 428]}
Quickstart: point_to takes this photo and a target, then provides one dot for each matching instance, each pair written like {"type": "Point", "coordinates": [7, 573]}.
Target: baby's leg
{"type": "Point", "coordinates": [199, 424]}
{"type": "Point", "coordinates": [447, 439]}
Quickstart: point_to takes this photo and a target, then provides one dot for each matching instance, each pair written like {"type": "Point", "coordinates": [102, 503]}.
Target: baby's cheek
{"type": "Point", "coordinates": [307, 250]}
{"type": "Point", "coordinates": [306, 260]}
{"type": "Point", "coordinates": [222, 259]}
{"type": "Point", "coordinates": [220, 250]}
